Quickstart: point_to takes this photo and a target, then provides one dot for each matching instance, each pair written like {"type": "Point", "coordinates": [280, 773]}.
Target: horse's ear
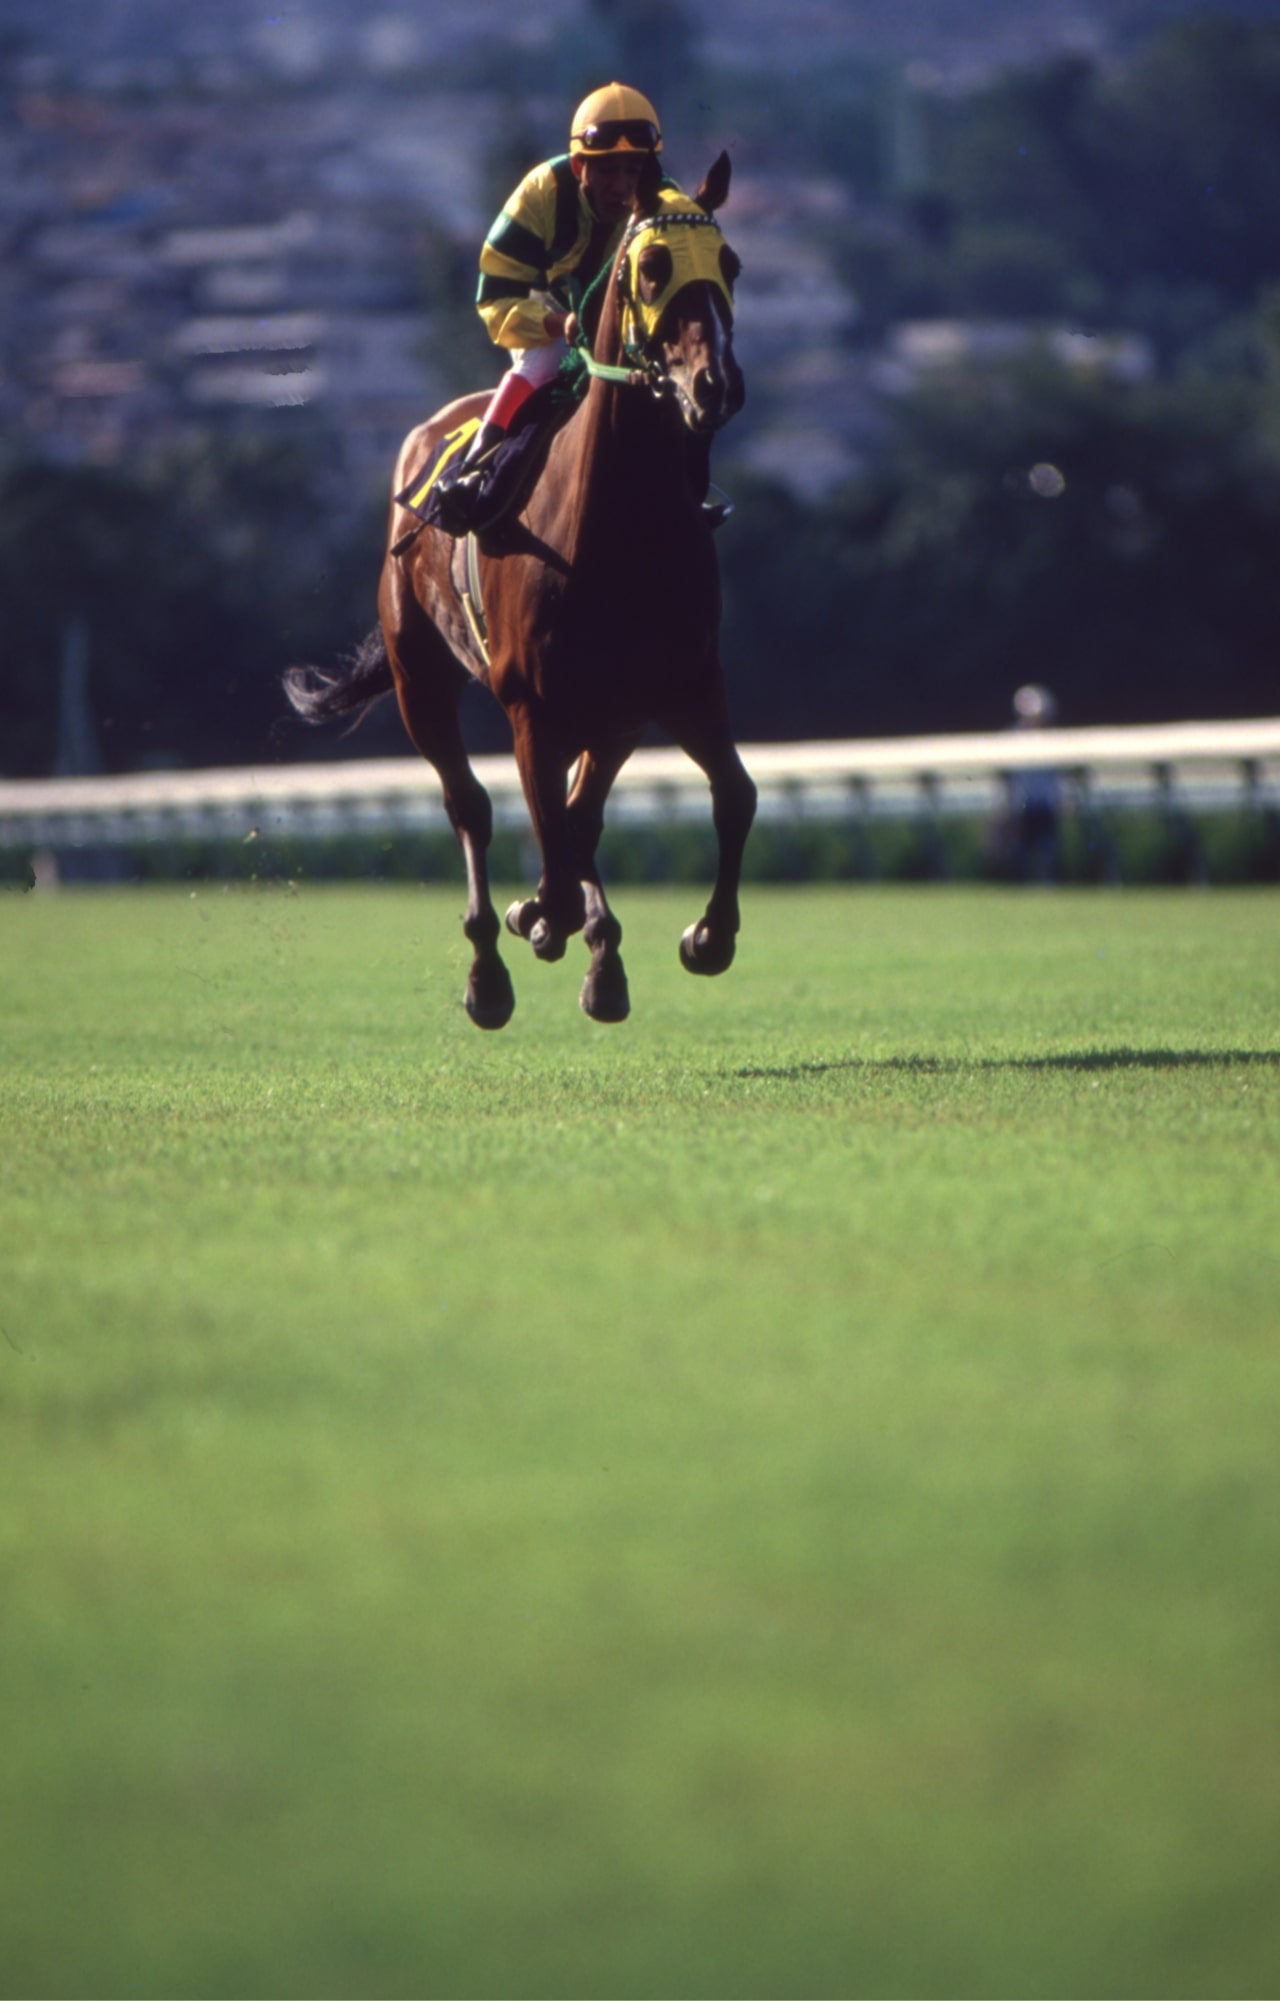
{"type": "Point", "coordinates": [714, 191]}
{"type": "Point", "coordinates": [649, 189]}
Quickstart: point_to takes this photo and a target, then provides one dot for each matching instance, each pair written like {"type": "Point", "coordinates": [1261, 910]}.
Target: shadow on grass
{"type": "Point", "coordinates": [1079, 1059]}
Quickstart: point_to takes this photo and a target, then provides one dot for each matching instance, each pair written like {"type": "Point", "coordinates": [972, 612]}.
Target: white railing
{"type": "Point", "coordinates": [1205, 766]}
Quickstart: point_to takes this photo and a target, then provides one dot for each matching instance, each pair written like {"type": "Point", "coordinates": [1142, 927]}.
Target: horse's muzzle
{"type": "Point", "coordinates": [711, 396]}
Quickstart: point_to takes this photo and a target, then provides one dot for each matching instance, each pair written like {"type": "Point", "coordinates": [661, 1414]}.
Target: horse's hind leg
{"type": "Point", "coordinates": [489, 999]}
{"type": "Point", "coordinates": [429, 706]}
{"type": "Point", "coordinates": [709, 944]}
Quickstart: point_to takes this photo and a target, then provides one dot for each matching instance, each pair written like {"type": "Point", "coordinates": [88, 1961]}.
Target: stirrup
{"type": "Point", "coordinates": [716, 512]}
{"type": "Point", "coordinates": [458, 500]}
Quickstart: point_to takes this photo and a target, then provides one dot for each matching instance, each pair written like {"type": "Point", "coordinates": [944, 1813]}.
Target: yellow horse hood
{"type": "Point", "coordinates": [697, 251]}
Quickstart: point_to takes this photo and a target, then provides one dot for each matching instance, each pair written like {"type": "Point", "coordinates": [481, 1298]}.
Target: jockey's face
{"type": "Point", "coordinates": [610, 183]}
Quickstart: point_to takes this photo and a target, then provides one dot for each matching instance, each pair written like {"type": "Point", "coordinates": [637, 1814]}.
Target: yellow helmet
{"type": "Point", "coordinates": [615, 120]}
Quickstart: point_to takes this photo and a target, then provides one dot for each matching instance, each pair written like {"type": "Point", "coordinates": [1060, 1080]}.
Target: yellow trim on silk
{"type": "Point", "coordinates": [534, 214]}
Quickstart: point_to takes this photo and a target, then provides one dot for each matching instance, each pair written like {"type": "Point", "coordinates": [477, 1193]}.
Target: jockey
{"type": "Point", "coordinates": [561, 226]}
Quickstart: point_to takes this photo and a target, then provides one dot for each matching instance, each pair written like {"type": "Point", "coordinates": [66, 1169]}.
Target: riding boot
{"type": "Point", "coordinates": [508, 403]}
{"type": "Point", "coordinates": [489, 435]}
{"type": "Point", "coordinates": [459, 494]}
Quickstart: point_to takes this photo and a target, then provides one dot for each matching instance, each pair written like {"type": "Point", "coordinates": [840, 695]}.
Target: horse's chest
{"type": "Point", "coordinates": [624, 644]}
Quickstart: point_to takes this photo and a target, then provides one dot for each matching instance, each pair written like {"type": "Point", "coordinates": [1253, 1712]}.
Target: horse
{"type": "Point", "coordinates": [602, 602]}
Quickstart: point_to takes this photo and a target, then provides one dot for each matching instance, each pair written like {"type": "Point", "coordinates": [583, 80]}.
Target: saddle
{"type": "Point", "coordinates": [508, 472]}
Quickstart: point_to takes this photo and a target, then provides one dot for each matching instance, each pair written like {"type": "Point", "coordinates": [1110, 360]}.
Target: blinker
{"type": "Point", "coordinates": [693, 239]}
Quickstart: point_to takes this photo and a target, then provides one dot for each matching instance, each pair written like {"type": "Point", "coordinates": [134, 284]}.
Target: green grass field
{"type": "Point", "coordinates": [781, 1498]}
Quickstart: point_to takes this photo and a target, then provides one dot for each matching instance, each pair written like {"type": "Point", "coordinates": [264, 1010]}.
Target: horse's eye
{"type": "Point", "coordinates": [730, 266]}
{"type": "Point", "coordinates": [654, 271]}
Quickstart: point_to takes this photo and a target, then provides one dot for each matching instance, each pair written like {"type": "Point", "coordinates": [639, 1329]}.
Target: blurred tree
{"type": "Point", "coordinates": [651, 45]}
{"type": "Point", "coordinates": [1027, 153]}
{"type": "Point", "coordinates": [1030, 523]}
{"type": "Point", "coordinates": [1193, 166]}
{"type": "Point", "coordinates": [1010, 270]}
{"type": "Point", "coordinates": [1116, 543]}
{"type": "Point", "coordinates": [1142, 193]}
{"type": "Point", "coordinates": [1268, 339]}
{"type": "Point", "coordinates": [194, 581]}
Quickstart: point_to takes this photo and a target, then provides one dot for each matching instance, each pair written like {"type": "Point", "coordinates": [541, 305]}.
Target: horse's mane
{"type": "Point", "coordinates": [593, 311]}
{"type": "Point", "coordinates": [600, 321]}
{"type": "Point", "coordinates": [606, 341]}
{"type": "Point", "coordinates": [594, 301]}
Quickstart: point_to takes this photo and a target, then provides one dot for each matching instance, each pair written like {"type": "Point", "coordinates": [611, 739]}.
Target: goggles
{"type": "Point", "coordinates": [611, 135]}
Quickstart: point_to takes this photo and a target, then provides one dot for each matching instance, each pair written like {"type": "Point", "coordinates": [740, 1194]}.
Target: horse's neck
{"type": "Point", "coordinates": [628, 457]}
{"type": "Point", "coordinates": [630, 462]}
{"type": "Point", "coordinates": [636, 440]}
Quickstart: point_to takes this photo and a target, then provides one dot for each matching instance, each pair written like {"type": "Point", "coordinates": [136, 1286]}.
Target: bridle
{"type": "Point", "coordinates": [695, 258]}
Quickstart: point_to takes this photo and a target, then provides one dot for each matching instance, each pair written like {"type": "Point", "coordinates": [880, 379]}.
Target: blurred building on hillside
{"type": "Point", "coordinates": [239, 222]}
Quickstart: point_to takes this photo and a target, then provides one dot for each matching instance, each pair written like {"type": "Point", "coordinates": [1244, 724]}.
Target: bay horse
{"type": "Point", "coordinates": [602, 602]}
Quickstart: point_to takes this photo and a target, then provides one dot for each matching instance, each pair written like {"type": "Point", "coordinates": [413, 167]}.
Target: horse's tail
{"type": "Point", "coordinates": [363, 677]}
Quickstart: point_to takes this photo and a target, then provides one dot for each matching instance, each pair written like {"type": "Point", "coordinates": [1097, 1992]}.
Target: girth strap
{"type": "Point", "coordinates": [473, 598]}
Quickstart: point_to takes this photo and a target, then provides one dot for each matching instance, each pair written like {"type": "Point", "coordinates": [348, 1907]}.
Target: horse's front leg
{"type": "Point", "coordinates": [558, 907]}
{"type": "Point", "coordinates": [709, 944]}
{"type": "Point", "coordinates": [605, 996]}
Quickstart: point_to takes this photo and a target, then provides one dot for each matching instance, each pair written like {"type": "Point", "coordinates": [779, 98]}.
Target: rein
{"type": "Point", "coordinates": [631, 378]}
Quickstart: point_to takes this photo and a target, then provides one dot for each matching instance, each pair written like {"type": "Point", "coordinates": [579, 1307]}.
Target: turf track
{"type": "Point", "coordinates": [778, 1498]}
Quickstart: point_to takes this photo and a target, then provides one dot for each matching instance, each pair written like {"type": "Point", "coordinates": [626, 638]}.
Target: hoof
{"type": "Point", "coordinates": [702, 952]}
{"type": "Point", "coordinates": [521, 917]}
{"type": "Point", "coordinates": [490, 1001]}
{"type": "Point", "coordinates": [548, 945]}
{"type": "Point", "coordinates": [494, 1017]}
{"type": "Point", "coordinates": [606, 999]}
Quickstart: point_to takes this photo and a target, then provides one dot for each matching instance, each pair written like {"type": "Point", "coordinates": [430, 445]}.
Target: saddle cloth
{"type": "Point", "coordinates": [449, 452]}
{"type": "Point", "coordinates": [510, 469]}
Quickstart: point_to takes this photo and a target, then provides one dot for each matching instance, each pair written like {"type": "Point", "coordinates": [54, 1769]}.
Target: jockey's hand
{"type": "Point", "coordinates": [554, 324]}
{"type": "Point", "coordinates": [571, 327]}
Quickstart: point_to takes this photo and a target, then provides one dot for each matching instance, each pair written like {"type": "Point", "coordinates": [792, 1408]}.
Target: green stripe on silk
{"type": "Point", "coordinates": [568, 218]}
{"type": "Point", "coordinates": [512, 240]}
{"type": "Point", "coordinates": [491, 289]}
